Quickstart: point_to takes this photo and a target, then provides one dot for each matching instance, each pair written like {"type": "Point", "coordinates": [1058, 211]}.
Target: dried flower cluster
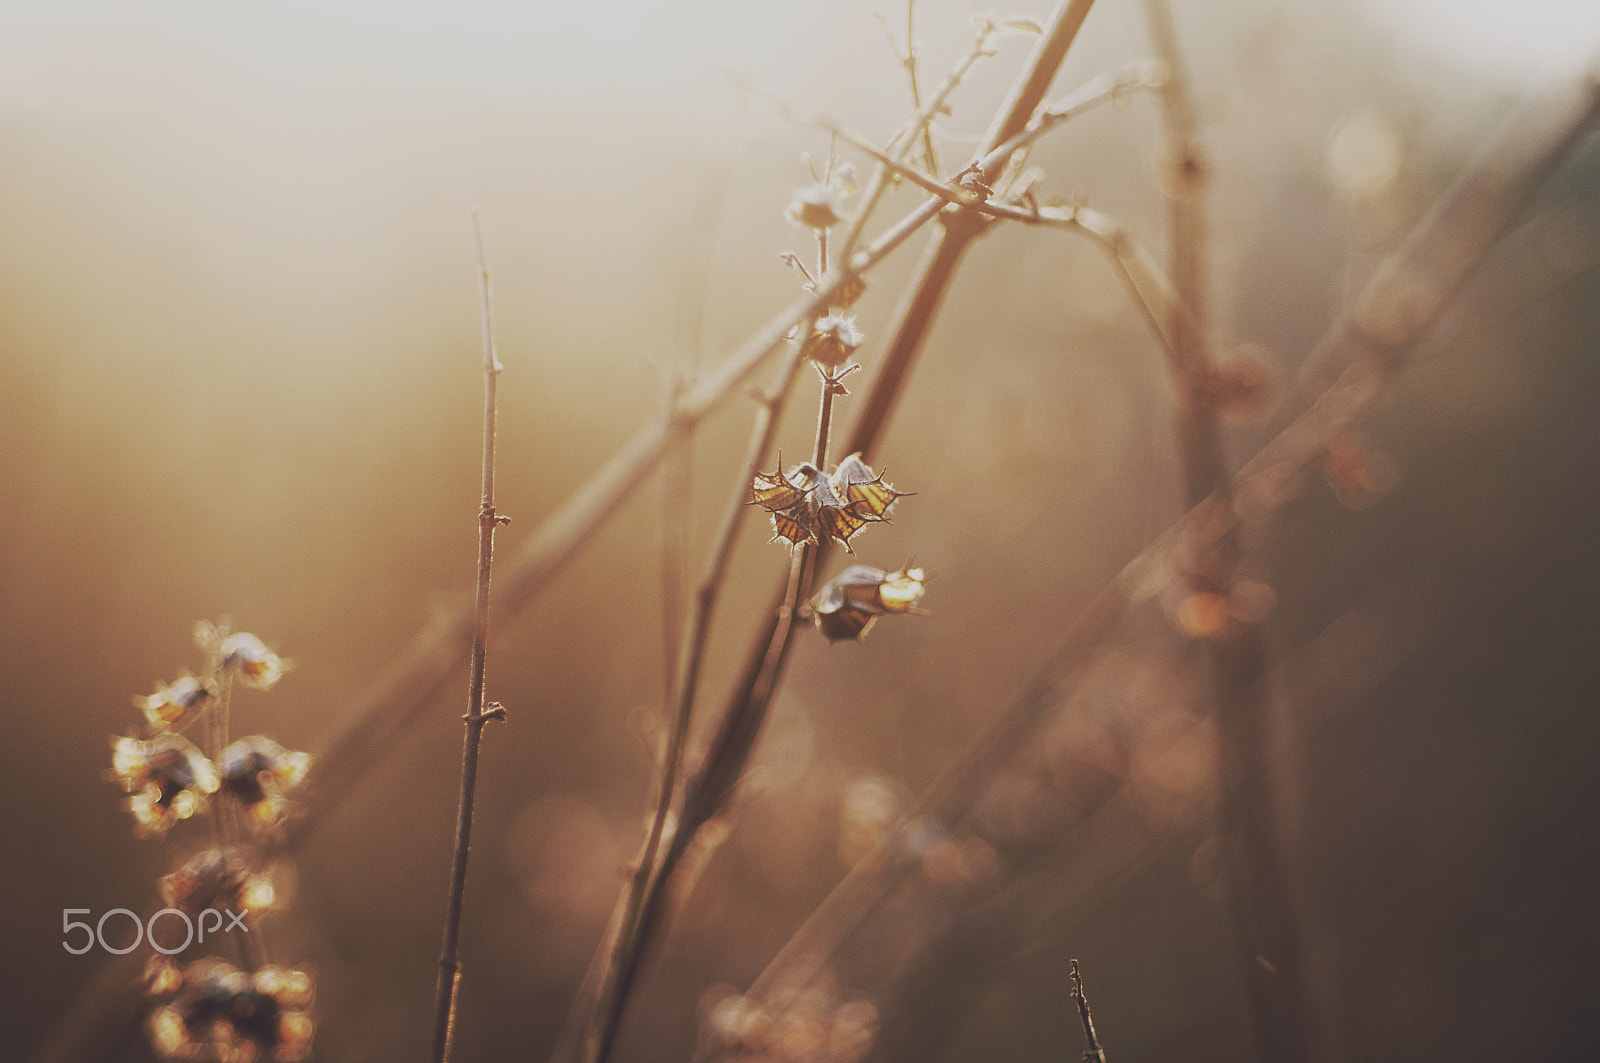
{"type": "Point", "coordinates": [210, 1010]}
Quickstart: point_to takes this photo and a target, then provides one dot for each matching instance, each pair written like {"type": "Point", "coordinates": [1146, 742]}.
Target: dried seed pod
{"type": "Point", "coordinates": [175, 704]}
{"type": "Point", "coordinates": [849, 604]}
{"type": "Point", "coordinates": [248, 657]}
{"type": "Point", "coordinates": [806, 506]}
{"type": "Point", "coordinates": [257, 772]}
{"type": "Point", "coordinates": [168, 777]}
{"type": "Point", "coordinates": [220, 1013]}
{"type": "Point", "coordinates": [815, 207]}
{"type": "Point", "coordinates": [217, 878]}
{"type": "Point", "coordinates": [832, 341]}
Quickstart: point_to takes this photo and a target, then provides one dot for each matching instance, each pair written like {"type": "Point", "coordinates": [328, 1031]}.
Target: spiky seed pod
{"type": "Point", "coordinates": [806, 506]}
{"type": "Point", "coordinates": [849, 604]}
{"type": "Point", "coordinates": [168, 777]}
{"type": "Point", "coordinates": [217, 878]}
{"type": "Point", "coordinates": [175, 704]}
{"type": "Point", "coordinates": [257, 772]}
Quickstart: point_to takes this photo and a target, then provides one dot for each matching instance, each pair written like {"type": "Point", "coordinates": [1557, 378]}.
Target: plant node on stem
{"type": "Point", "coordinates": [477, 714]}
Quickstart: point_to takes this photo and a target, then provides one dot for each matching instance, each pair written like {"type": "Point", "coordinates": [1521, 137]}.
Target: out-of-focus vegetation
{"type": "Point", "coordinates": [239, 374]}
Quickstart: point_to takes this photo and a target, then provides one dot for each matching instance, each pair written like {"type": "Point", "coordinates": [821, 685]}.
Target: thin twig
{"type": "Point", "coordinates": [1092, 1053]}
{"type": "Point", "coordinates": [477, 715]}
{"type": "Point", "coordinates": [713, 783]}
{"type": "Point", "coordinates": [396, 700]}
{"type": "Point", "coordinates": [1440, 252]}
{"type": "Point", "coordinates": [593, 1010]}
{"type": "Point", "coordinates": [1130, 77]}
{"type": "Point", "coordinates": [900, 144]}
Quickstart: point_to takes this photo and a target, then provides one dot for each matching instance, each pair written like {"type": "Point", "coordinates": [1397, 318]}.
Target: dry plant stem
{"type": "Point", "coordinates": [908, 60]}
{"type": "Point", "coordinates": [597, 999]}
{"type": "Point", "coordinates": [644, 899]}
{"type": "Point", "coordinates": [396, 700]}
{"type": "Point", "coordinates": [714, 782]}
{"type": "Point", "coordinates": [1266, 927]}
{"type": "Point", "coordinates": [1435, 259]}
{"type": "Point", "coordinates": [1092, 1052]}
{"type": "Point", "coordinates": [900, 144]}
{"type": "Point", "coordinates": [224, 826]}
{"type": "Point", "coordinates": [1403, 298]}
{"type": "Point", "coordinates": [477, 716]}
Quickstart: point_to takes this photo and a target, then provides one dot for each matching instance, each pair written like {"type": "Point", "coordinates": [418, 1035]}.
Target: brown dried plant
{"type": "Point", "coordinates": [1198, 566]}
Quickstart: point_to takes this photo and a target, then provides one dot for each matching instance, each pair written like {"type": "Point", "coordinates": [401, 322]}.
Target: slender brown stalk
{"type": "Point", "coordinates": [1092, 1052]}
{"type": "Point", "coordinates": [592, 1011]}
{"type": "Point", "coordinates": [721, 767]}
{"type": "Point", "coordinates": [396, 700]}
{"type": "Point", "coordinates": [1342, 386]}
{"type": "Point", "coordinates": [478, 715]}
{"type": "Point", "coordinates": [1266, 925]}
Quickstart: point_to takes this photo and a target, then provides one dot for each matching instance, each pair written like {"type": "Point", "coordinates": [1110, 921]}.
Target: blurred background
{"type": "Point", "coordinates": [239, 375]}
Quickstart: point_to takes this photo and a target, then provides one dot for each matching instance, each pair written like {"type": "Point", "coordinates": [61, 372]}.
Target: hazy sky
{"type": "Point", "coordinates": [57, 53]}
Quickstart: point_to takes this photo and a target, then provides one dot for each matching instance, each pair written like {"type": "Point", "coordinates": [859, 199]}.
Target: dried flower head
{"type": "Point", "coordinates": [807, 506]}
{"type": "Point", "coordinates": [815, 207]}
{"type": "Point", "coordinates": [832, 341]}
{"type": "Point", "coordinates": [168, 777]}
{"type": "Point", "coordinates": [257, 772]}
{"type": "Point", "coordinates": [219, 1013]}
{"type": "Point", "coordinates": [849, 604]}
{"type": "Point", "coordinates": [175, 704]}
{"type": "Point", "coordinates": [217, 878]}
{"type": "Point", "coordinates": [250, 659]}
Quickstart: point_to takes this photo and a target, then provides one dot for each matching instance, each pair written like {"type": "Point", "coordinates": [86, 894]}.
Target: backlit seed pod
{"type": "Point", "coordinates": [223, 1014]}
{"type": "Point", "coordinates": [177, 703]}
{"type": "Point", "coordinates": [248, 657]}
{"type": "Point", "coordinates": [849, 604]}
{"type": "Point", "coordinates": [807, 507]}
{"type": "Point", "coordinates": [220, 879]}
{"type": "Point", "coordinates": [815, 207]}
{"type": "Point", "coordinates": [833, 340]}
{"type": "Point", "coordinates": [169, 779]}
{"type": "Point", "coordinates": [257, 772]}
